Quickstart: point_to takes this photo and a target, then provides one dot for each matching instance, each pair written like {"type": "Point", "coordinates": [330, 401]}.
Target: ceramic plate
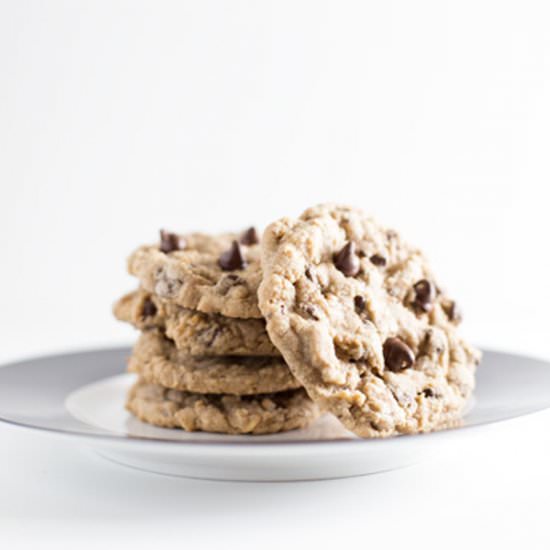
{"type": "Point", "coordinates": [81, 396]}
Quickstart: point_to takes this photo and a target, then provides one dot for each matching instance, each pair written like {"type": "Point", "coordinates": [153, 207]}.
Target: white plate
{"type": "Point", "coordinates": [81, 396]}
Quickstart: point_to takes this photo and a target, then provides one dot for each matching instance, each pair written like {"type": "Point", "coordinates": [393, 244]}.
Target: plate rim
{"type": "Point", "coordinates": [241, 445]}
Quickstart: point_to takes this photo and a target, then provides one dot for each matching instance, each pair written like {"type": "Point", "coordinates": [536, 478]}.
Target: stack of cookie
{"type": "Point", "coordinates": [204, 359]}
{"type": "Point", "coordinates": [330, 312]}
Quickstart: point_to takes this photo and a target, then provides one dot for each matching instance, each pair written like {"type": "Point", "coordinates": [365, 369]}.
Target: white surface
{"type": "Point", "coordinates": [491, 495]}
{"type": "Point", "coordinates": [120, 117]}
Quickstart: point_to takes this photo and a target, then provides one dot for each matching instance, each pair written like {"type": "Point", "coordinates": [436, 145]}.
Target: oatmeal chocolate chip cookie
{"type": "Point", "coordinates": [157, 360]}
{"type": "Point", "coordinates": [193, 332]}
{"type": "Point", "coordinates": [212, 274]}
{"type": "Point", "coordinates": [230, 414]}
{"type": "Point", "coordinates": [362, 324]}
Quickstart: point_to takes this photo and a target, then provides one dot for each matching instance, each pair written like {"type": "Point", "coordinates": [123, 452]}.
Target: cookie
{"type": "Point", "coordinates": [157, 360]}
{"type": "Point", "coordinates": [211, 274]}
{"type": "Point", "coordinates": [229, 414]}
{"type": "Point", "coordinates": [193, 332]}
{"type": "Point", "coordinates": [362, 324]}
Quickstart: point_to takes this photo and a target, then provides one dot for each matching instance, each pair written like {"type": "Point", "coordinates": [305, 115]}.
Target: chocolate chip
{"type": "Point", "coordinates": [308, 273]}
{"type": "Point", "coordinates": [149, 308]}
{"type": "Point", "coordinates": [424, 292]}
{"type": "Point", "coordinates": [347, 261]}
{"type": "Point", "coordinates": [169, 242]}
{"type": "Point", "coordinates": [211, 334]}
{"type": "Point", "coordinates": [397, 355]}
{"type": "Point", "coordinates": [378, 260]}
{"type": "Point", "coordinates": [428, 392]}
{"type": "Point", "coordinates": [359, 303]}
{"type": "Point", "coordinates": [233, 258]}
{"type": "Point", "coordinates": [454, 313]}
{"type": "Point", "coordinates": [227, 282]}
{"type": "Point", "coordinates": [250, 236]}
{"type": "Point", "coordinates": [311, 311]}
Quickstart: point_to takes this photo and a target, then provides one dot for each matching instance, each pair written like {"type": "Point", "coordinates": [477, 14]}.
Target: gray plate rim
{"type": "Point", "coordinates": [132, 439]}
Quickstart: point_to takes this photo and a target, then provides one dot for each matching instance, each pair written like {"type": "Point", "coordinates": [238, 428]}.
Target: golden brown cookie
{"type": "Point", "coordinates": [229, 414]}
{"type": "Point", "coordinates": [157, 360]}
{"type": "Point", "coordinates": [208, 273]}
{"type": "Point", "coordinates": [363, 325]}
{"type": "Point", "coordinates": [193, 332]}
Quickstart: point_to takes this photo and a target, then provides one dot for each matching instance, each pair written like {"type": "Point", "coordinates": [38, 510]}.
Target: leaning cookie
{"type": "Point", "coordinates": [229, 414]}
{"type": "Point", "coordinates": [193, 332]}
{"type": "Point", "coordinates": [212, 274]}
{"type": "Point", "coordinates": [362, 324]}
{"type": "Point", "coordinates": [157, 360]}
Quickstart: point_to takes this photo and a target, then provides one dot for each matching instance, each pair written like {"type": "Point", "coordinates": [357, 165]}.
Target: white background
{"type": "Point", "coordinates": [118, 118]}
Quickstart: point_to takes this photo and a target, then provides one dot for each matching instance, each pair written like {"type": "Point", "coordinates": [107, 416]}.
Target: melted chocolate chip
{"type": "Point", "coordinates": [428, 392]}
{"type": "Point", "coordinates": [424, 292]}
{"type": "Point", "coordinates": [233, 258]}
{"type": "Point", "coordinates": [359, 303]}
{"type": "Point", "coordinates": [169, 242]}
{"type": "Point", "coordinates": [227, 282]}
{"type": "Point", "coordinates": [149, 308]}
{"type": "Point", "coordinates": [212, 335]}
{"type": "Point", "coordinates": [311, 311]}
{"type": "Point", "coordinates": [397, 355]}
{"type": "Point", "coordinates": [378, 260]}
{"type": "Point", "coordinates": [250, 236]}
{"type": "Point", "coordinates": [347, 261]}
